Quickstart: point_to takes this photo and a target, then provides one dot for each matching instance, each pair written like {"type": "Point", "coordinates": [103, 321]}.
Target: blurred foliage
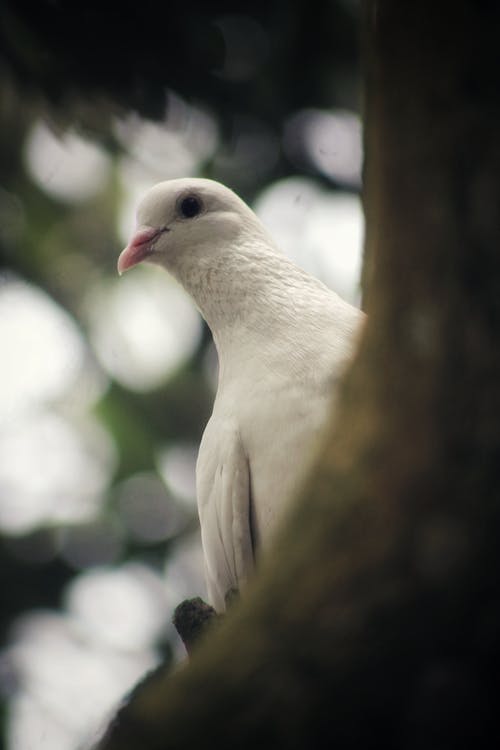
{"type": "Point", "coordinates": [86, 57]}
{"type": "Point", "coordinates": [81, 64]}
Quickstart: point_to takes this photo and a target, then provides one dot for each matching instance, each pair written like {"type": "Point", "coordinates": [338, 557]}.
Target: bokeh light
{"type": "Point", "coordinates": [176, 147]}
{"type": "Point", "coordinates": [125, 608]}
{"type": "Point", "coordinates": [38, 337]}
{"type": "Point", "coordinates": [177, 466]}
{"type": "Point", "coordinates": [329, 141]}
{"type": "Point", "coordinates": [52, 471]}
{"type": "Point", "coordinates": [142, 327]}
{"type": "Point", "coordinates": [70, 682]}
{"type": "Point", "coordinates": [184, 570]}
{"type": "Point", "coordinates": [321, 230]}
{"type": "Point", "coordinates": [67, 166]}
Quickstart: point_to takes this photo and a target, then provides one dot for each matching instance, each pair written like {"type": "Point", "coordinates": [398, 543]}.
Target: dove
{"type": "Point", "coordinates": [283, 340]}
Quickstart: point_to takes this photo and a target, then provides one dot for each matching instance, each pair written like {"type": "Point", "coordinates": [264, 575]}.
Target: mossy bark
{"type": "Point", "coordinates": [375, 621]}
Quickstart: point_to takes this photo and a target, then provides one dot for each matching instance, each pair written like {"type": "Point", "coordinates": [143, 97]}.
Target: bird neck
{"type": "Point", "coordinates": [251, 296]}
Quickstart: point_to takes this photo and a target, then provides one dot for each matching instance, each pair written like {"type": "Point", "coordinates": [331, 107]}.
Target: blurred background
{"type": "Point", "coordinates": [106, 383]}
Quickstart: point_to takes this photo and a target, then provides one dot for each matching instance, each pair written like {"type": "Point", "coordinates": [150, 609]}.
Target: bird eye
{"type": "Point", "coordinates": [190, 206]}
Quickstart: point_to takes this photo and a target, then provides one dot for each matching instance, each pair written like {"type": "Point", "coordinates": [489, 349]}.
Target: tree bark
{"type": "Point", "coordinates": [375, 619]}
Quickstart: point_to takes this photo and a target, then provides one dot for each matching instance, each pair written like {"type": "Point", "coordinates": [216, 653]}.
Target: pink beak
{"type": "Point", "coordinates": [139, 247]}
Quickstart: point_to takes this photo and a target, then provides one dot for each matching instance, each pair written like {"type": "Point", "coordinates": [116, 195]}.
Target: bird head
{"type": "Point", "coordinates": [179, 218]}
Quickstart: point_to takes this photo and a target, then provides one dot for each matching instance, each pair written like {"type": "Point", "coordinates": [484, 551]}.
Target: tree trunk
{"type": "Point", "coordinates": [375, 620]}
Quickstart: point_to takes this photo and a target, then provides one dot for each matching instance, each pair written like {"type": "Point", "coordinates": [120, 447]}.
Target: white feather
{"type": "Point", "coordinates": [283, 340]}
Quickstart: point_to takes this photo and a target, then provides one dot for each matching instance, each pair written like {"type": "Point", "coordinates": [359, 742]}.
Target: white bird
{"type": "Point", "coordinates": [282, 339]}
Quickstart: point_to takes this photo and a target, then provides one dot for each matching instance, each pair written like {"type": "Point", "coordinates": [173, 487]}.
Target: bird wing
{"type": "Point", "coordinates": [224, 506]}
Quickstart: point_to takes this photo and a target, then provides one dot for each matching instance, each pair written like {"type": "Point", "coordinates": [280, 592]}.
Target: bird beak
{"type": "Point", "coordinates": [139, 247]}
